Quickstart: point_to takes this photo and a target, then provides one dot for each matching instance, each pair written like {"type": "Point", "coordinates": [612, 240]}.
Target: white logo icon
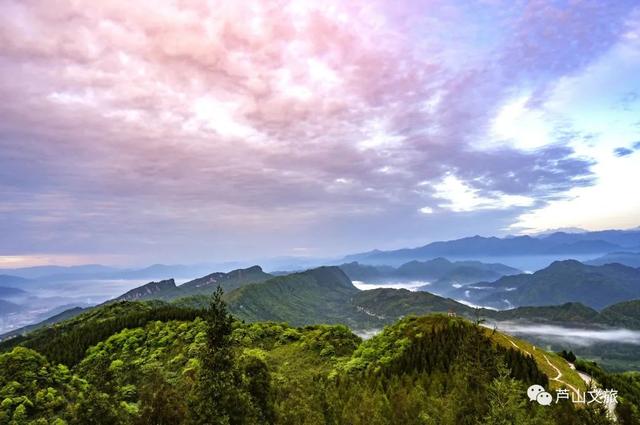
{"type": "Point", "coordinates": [544, 398]}
{"type": "Point", "coordinates": [533, 391]}
{"type": "Point", "coordinates": [538, 393]}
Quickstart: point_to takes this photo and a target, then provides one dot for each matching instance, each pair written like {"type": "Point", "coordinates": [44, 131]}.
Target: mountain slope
{"type": "Point", "coordinates": [7, 307]}
{"type": "Point", "coordinates": [440, 272]}
{"type": "Point", "coordinates": [631, 259]}
{"type": "Point", "coordinates": [391, 304]}
{"type": "Point", "coordinates": [315, 296]}
{"type": "Point", "coordinates": [624, 314]}
{"type": "Point", "coordinates": [565, 314]}
{"type": "Point", "coordinates": [168, 290]}
{"type": "Point", "coordinates": [326, 295]}
{"type": "Point", "coordinates": [367, 273]}
{"type": "Point", "coordinates": [228, 281]}
{"type": "Point", "coordinates": [430, 369]}
{"type": "Point", "coordinates": [67, 341]}
{"type": "Point", "coordinates": [13, 281]}
{"type": "Point", "coordinates": [9, 292]}
{"type": "Point", "coordinates": [165, 289]}
{"type": "Point", "coordinates": [565, 281]}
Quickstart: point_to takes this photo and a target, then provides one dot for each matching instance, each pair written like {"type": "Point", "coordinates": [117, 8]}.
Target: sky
{"type": "Point", "coordinates": [189, 131]}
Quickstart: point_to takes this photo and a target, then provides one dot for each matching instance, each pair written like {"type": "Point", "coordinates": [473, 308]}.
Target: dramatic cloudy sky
{"type": "Point", "coordinates": [212, 130]}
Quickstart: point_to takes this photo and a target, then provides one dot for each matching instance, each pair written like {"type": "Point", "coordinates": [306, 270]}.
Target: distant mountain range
{"type": "Point", "coordinates": [13, 281]}
{"type": "Point", "coordinates": [441, 275]}
{"type": "Point", "coordinates": [327, 295]}
{"type": "Point", "coordinates": [36, 276]}
{"type": "Point", "coordinates": [562, 281]}
{"type": "Point", "coordinates": [558, 243]}
{"type": "Point", "coordinates": [631, 259]}
{"type": "Point", "coordinates": [9, 297]}
{"type": "Point", "coordinates": [615, 245]}
{"type": "Point", "coordinates": [487, 282]}
{"type": "Point", "coordinates": [7, 307]}
{"type": "Point", "coordinates": [8, 293]}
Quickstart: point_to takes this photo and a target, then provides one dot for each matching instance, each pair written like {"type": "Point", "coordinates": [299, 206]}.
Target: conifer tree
{"type": "Point", "coordinates": [218, 399]}
{"type": "Point", "coordinates": [508, 403]}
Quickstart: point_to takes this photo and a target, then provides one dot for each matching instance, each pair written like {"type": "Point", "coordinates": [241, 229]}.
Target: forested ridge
{"type": "Point", "coordinates": [153, 363]}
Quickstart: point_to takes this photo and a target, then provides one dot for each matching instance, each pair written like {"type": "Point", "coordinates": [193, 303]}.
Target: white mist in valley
{"type": "Point", "coordinates": [413, 285]}
{"type": "Point", "coordinates": [367, 333]}
{"type": "Point", "coordinates": [570, 335]}
{"type": "Point", "coordinates": [50, 298]}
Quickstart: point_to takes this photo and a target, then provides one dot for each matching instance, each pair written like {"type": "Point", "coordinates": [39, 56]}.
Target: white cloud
{"type": "Point", "coordinates": [222, 117]}
{"type": "Point", "coordinates": [519, 126]}
{"type": "Point", "coordinates": [612, 203]}
{"type": "Point", "coordinates": [594, 103]}
{"type": "Point", "coordinates": [378, 135]}
{"type": "Point", "coordinates": [461, 197]}
{"type": "Point", "coordinates": [426, 210]}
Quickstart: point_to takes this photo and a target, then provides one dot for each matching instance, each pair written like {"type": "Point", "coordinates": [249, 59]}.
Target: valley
{"type": "Point", "coordinates": [319, 331]}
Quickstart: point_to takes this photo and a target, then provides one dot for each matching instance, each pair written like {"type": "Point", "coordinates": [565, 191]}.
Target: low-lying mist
{"type": "Point", "coordinates": [50, 298]}
{"type": "Point", "coordinates": [413, 285]}
{"type": "Point", "coordinates": [571, 335]}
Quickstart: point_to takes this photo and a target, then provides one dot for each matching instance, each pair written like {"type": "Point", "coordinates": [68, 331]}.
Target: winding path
{"type": "Point", "coordinates": [611, 406]}
{"type": "Point", "coordinates": [558, 377]}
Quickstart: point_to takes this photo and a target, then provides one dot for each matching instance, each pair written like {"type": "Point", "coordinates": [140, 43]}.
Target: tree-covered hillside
{"type": "Point", "coordinates": [326, 295]}
{"type": "Point", "coordinates": [320, 295]}
{"type": "Point", "coordinates": [175, 368]}
{"type": "Point", "coordinates": [564, 281]}
{"type": "Point", "coordinates": [625, 314]}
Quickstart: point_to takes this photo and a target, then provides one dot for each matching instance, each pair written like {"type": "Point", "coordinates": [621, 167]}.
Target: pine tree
{"type": "Point", "coordinates": [218, 399]}
{"type": "Point", "coordinates": [508, 404]}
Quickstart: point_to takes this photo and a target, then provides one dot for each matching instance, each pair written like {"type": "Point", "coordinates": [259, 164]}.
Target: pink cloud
{"type": "Point", "coordinates": [220, 109]}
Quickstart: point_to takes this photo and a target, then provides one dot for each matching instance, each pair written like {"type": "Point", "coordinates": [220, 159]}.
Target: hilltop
{"type": "Point", "coordinates": [144, 357]}
{"type": "Point", "coordinates": [168, 290]}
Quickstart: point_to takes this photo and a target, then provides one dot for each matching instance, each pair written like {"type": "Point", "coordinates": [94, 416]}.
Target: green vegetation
{"type": "Point", "coordinates": [626, 314]}
{"type": "Point", "coordinates": [66, 342]}
{"type": "Point", "coordinates": [319, 295]}
{"type": "Point", "coordinates": [164, 364]}
{"type": "Point", "coordinates": [191, 362]}
{"type": "Point", "coordinates": [568, 281]}
{"type": "Point", "coordinates": [567, 313]}
{"type": "Point", "coordinates": [326, 295]}
{"type": "Point", "coordinates": [392, 304]}
{"type": "Point", "coordinates": [627, 384]}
